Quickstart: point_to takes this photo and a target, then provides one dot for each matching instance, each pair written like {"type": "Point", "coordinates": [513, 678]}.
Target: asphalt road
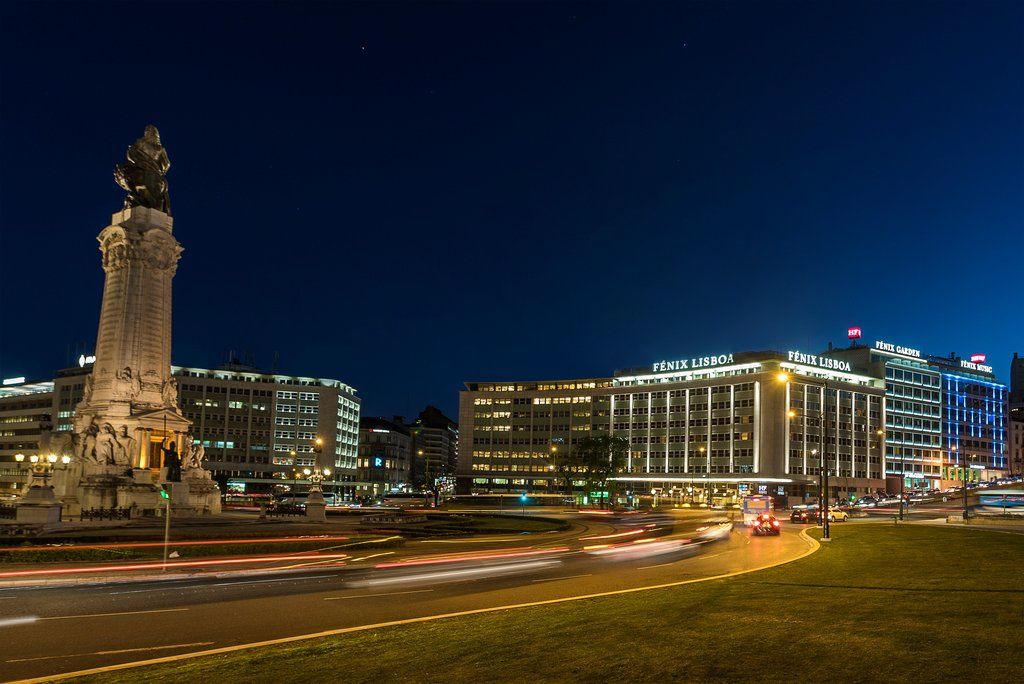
{"type": "Point", "coordinates": [46, 631]}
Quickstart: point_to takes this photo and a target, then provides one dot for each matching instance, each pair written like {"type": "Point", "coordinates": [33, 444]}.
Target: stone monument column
{"type": "Point", "coordinates": [133, 343]}
{"type": "Point", "coordinates": [130, 404]}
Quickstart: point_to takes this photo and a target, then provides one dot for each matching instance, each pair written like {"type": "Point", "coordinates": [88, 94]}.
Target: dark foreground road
{"type": "Point", "coordinates": [47, 631]}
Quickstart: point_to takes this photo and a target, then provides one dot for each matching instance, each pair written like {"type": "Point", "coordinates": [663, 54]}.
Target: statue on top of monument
{"type": "Point", "coordinates": [142, 176]}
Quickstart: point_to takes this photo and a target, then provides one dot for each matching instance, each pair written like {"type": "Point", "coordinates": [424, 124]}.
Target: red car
{"type": "Point", "coordinates": [766, 524]}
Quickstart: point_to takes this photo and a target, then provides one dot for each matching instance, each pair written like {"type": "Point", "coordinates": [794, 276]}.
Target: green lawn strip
{"type": "Point", "coordinates": [254, 547]}
{"type": "Point", "coordinates": [877, 603]}
{"type": "Point", "coordinates": [504, 523]}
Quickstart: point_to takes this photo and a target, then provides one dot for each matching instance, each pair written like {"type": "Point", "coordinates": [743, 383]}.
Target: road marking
{"type": "Point", "coordinates": [659, 565]}
{"type": "Point", "coordinates": [372, 555]}
{"type": "Point", "coordinates": [280, 579]}
{"type": "Point", "coordinates": [24, 620]}
{"type": "Point", "coordinates": [553, 579]}
{"type": "Point", "coordinates": [469, 541]}
{"type": "Point", "coordinates": [121, 650]}
{"type": "Point", "coordinates": [814, 546]}
{"type": "Point", "coordinates": [131, 612]}
{"type": "Point", "coordinates": [392, 593]}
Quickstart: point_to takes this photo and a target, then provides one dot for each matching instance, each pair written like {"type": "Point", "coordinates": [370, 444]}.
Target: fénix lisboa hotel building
{"type": "Point", "coordinates": [717, 426]}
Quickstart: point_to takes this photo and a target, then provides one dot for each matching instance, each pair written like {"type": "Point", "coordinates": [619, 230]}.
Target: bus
{"type": "Point", "coordinates": [754, 506]}
{"type": "Point", "coordinates": [1006, 501]}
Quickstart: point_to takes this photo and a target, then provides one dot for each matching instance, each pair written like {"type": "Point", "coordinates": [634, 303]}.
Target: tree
{"type": "Point", "coordinates": [565, 467]}
{"type": "Point", "coordinates": [599, 458]}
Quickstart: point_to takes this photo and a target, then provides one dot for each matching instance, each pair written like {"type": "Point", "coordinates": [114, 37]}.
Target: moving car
{"type": "Point", "coordinates": [836, 515]}
{"type": "Point", "coordinates": [802, 515]}
{"type": "Point", "coordinates": [812, 516]}
{"type": "Point", "coordinates": [765, 525]}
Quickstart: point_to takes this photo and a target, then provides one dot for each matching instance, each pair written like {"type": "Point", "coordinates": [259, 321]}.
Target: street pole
{"type": "Point", "coordinates": [167, 528]}
{"type": "Point", "coordinates": [965, 485]}
{"type": "Point", "coordinates": [903, 477]}
{"type": "Point", "coordinates": [823, 435]}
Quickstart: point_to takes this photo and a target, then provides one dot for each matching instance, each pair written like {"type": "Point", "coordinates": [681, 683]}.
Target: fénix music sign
{"type": "Point", "coordinates": [691, 364]}
{"type": "Point", "coordinates": [895, 349]}
{"type": "Point", "coordinates": [980, 367]}
{"type": "Point", "coordinates": [819, 361]}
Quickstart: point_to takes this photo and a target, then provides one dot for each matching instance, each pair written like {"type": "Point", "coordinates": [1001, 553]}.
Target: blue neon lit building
{"type": "Point", "coordinates": [974, 420]}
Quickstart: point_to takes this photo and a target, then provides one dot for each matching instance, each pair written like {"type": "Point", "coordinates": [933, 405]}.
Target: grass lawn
{"type": "Point", "coordinates": [483, 524]}
{"type": "Point", "coordinates": [879, 603]}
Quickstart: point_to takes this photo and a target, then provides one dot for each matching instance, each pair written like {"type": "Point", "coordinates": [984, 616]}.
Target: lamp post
{"type": "Point", "coordinates": [823, 507]}
{"type": "Point", "coordinates": [419, 452]}
{"type": "Point", "coordinates": [42, 465]}
{"type": "Point", "coordinates": [964, 466]}
{"type": "Point", "coordinates": [903, 471]}
{"type": "Point", "coordinates": [707, 485]}
{"type": "Point", "coordinates": [551, 466]}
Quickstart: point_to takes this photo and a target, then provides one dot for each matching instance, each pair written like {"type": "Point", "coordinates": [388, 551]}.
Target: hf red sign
{"type": "Point", "coordinates": [977, 358]}
{"type": "Point", "coordinates": [853, 333]}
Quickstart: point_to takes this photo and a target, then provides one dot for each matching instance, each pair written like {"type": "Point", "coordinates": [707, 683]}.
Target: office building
{"type": "Point", "coordinates": [941, 413]}
{"type": "Point", "coordinates": [26, 409]}
{"type": "Point", "coordinates": [436, 443]}
{"type": "Point", "coordinates": [1015, 456]}
{"type": "Point", "coordinates": [974, 420]}
{"type": "Point", "coordinates": [258, 429]}
{"type": "Point", "coordinates": [385, 456]}
{"type": "Point", "coordinates": [706, 428]}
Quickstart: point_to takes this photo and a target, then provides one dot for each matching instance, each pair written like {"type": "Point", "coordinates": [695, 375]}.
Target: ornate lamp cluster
{"type": "Point", "coordinates": [42, 465]}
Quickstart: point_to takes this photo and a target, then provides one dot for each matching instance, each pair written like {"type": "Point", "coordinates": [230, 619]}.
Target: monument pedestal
{"type": "Point", "coordinates": [98, 489]}
{"type": "Point", "coordinates": [316, 507]}
{"type": "Point", "coordinates": [196, 494]}
{"type": "Point", "coordinates": [39, 507]}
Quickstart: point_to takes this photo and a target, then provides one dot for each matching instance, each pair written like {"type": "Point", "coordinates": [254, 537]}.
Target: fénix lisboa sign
{"type": "Point", "coordinates": [819, 361]}
{"type": "Point", "coordinates": [691, 364]}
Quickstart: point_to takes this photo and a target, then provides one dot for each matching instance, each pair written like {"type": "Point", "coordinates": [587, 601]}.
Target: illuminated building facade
{"type": "Point", "coordinates": [974, 421]}
{"type": "Point", "coordinates": [937, 409]}
{"type": "Point", "coordinates": [385, 455]}
{"type": "Point", "coordinates": [258, 429]}
{"type": "Point", "coordinates": [724, 423]}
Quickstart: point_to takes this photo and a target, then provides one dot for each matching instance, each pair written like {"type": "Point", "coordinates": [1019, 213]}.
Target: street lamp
{"type": "Point", "coordinates": [551, 465]}
{"type": "Point", "coordinates": [823, 508]}
{"type": "Point", "coordinates": [707, 485]}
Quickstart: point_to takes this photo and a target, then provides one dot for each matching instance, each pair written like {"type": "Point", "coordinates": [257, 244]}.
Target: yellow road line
{"type": "Point", "coordinates": [359, 596]}
{"type": "Point", "coordinates": [813, 546]}
{"type": "Point", "coordinates": [121, 650]}
{"type": "Point", "coordinates": [131, 612]}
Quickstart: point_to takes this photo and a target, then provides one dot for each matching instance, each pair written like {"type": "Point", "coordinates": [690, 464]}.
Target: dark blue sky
{"type": "Point", "coordinates": [407, 197]}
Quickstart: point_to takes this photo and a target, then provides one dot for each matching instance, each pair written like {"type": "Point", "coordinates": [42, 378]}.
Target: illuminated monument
{"type": "Point", "coordinates": [129, 435]}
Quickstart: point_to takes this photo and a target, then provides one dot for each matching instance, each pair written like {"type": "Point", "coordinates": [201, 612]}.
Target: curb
{"type": "Point", "coordinates": [113, 579]}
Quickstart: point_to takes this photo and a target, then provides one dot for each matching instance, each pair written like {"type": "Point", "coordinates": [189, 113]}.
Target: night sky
{"type": "Point", "coordinates": [406, 197]}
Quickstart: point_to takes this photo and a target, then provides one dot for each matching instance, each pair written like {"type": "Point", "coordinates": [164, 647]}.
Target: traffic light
{"type": "Point", "coordinates": [165, 489]}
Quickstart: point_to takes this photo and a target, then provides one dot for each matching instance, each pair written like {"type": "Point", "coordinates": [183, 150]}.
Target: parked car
{"type": "Point", "coordinates": [867, 502]}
